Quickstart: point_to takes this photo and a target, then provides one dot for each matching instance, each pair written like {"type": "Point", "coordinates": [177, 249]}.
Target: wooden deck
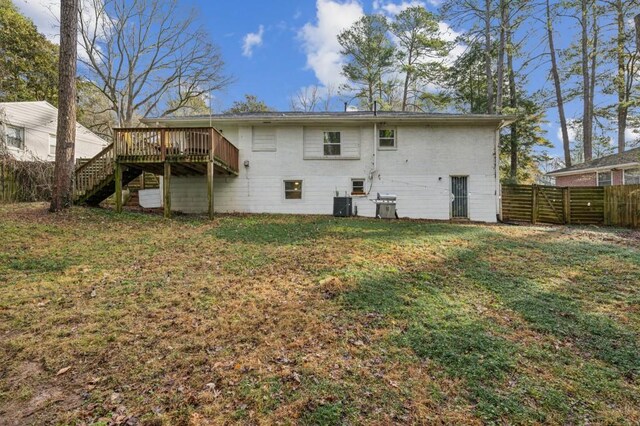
{"type": "Point", "coordinates": [162, 151]}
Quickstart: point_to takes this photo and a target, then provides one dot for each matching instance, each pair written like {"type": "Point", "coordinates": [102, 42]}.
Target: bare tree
{"type": "Point", "coordinates": [626, 59]}
{"type": "Point", "coordinates": [312, 98]}
{"type": "Point", "coordinates": [305, 99]}
{"type": "Point", "coordinates": [62, 196]}
{"type": "Point", "coordinates": [589, 48]}
{"type": "Point", "coordinates": [566, 143]}
{"type": "Point", "coordinates": [144, 53]}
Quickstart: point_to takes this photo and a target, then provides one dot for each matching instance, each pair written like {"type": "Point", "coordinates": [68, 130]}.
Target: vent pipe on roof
{"type": "Point", "coordinates": [375, 108]}
{"type": "Point", "coordinates": [346, 105]}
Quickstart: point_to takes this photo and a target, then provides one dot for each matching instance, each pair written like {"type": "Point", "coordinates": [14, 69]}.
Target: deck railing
{"type": "Point", "coordinates": [160, 144]}
{"type": "Point", "coordinates": [91, 173]}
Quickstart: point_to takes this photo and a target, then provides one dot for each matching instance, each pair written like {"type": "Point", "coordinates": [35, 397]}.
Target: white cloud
{"type": "Point", "coordinates": [251, 41]}
{"type": "Point", "coordinates": [630, 134]}
{"type": "Point", "coordinates": [320, 39]}
{"type": "Point", "coordinates": [391, 9]}
{"type": "Point", "coordinates": [449, 34]}
{"type": "Point", "coordinates": [572, 130]}
{"type": "Point", "coordinates": [45, 14]}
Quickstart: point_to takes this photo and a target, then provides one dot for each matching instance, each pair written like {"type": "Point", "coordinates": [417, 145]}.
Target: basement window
{"type": "Point", "coordinates": [604, 178]}
{"type": "Point", "coordinates": [331, 143]}
{"type": "Point", "coordinates": [293, 189]}
{"type": "Point", "coordinates": [357, 187]}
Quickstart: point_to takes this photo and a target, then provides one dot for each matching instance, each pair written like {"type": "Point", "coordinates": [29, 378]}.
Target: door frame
{"type": "Point", "coordinates": [451, 199]}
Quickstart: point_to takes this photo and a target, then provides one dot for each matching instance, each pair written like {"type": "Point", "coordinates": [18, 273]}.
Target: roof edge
{"type": "Point", "coordinates": [501, 120]}
{"type": "Point", "coordinates": [563, 172]}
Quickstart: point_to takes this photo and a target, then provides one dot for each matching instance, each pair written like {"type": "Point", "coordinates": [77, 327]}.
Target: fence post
{"type": "Point", "coordinates": [566, 205]}
{"type": "Point", "coordinates": [534, 204]}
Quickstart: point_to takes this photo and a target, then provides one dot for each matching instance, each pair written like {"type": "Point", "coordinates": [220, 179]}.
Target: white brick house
{"type": "Point", "coordinates": [297, 163]}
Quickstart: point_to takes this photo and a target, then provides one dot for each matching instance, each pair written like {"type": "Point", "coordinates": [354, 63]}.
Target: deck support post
{"type": "Point", "coordinates": [118, 178]}
{"type": "Point", "coordinates": [166, 190]}
{"type": "Point", "coordinates": [210, 173]}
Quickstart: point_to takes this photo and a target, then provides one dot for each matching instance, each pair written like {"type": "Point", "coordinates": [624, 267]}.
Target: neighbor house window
{"type": "Point", "coordinates": [357, 187]}
{"type": "Point", "coordinates": [604, 178]}
{"type": "Point", "coordinates": [15, 137]}
{"type": "Point", "coordinates": [331, 143]}
{"type": "Point", "coordinates": [52, 145]}
{"type": "Point", "coordinates": [387, 138]}
{"type": "Point", "coordinates": [632, 177]}
{"type": "Point", "coordinates": [293, 189]}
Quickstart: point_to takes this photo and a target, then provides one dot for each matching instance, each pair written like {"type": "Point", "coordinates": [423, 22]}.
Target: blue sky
{"type": "Point", "coordinates": [274, 48]}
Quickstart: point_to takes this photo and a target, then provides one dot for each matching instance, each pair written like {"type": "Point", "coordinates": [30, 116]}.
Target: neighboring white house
{"type": "Point", "coordinates": [30, 132]}
{"type": "Point", "coordinates": [297, 163]}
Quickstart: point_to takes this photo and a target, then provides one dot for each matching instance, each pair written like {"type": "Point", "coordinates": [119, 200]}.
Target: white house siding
{"type": "Point", "coordinates": [39, 120]}
{"type": "Point", "coordinates": [418, 172]}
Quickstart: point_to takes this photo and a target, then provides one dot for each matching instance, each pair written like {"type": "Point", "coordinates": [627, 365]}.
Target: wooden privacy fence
{"type": "Point", "coordinates": [591, 205]}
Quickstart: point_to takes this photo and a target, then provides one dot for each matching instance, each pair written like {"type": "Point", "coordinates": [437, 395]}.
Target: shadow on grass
{"type": "Point", "coordinates": [557, 314]}
{"type": "Point", "coordinates": [294, 230]}
{"type": "Point", "coordinates": [439, 328]}
{"type": "Point", "coordinates": [470, 347]}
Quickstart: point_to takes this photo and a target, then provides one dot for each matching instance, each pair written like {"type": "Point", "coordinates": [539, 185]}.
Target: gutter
{"type": "Point", "coordinates": [501, 121]}
{"type": "Point", "coordinates": [593, 169]}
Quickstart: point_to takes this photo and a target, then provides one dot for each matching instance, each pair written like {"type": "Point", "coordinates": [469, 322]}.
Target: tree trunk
{"type": "Point", "coordinates": [407, 77]}
{"type": "Point", "coordinates": [566, 143]}
{"type": "Point", "coordinates": [637, 20]}
{"type": "Point", "coordinates": [587, 120]}
{"type": "Point", "coordinates": [487, 55]}
{"type": "Point", "coordinates": [621, 78]}
{"type": "Point", "coordinates": [595, 36]}
{"type": "Point", "coordinates": [62, 194]}
{"type": "Point", "coordinates": [504, 22]}
{"type": "Point", "coordinates": [513, 103]}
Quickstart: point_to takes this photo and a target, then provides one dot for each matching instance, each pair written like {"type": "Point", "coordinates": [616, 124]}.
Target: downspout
{"type": "Point", "coordinates": [375, 152]}
{"type": "Point", "coordinates": [373, 171]}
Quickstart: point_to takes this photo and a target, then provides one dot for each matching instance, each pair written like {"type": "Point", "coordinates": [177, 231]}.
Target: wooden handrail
{"type": "Point", "coordinates": [93, 172]}
{"type": "Point", "coordinates": [93, 159]}
{"type": "Point", "coordinates": [162, 143]}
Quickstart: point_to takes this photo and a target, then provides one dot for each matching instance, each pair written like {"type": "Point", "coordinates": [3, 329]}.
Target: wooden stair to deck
{"type": "Point", "coordinates": [95, 180]}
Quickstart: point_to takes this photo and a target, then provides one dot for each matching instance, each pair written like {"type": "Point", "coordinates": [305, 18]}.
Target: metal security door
{"type": "Point", "coordinates": [459, 197]}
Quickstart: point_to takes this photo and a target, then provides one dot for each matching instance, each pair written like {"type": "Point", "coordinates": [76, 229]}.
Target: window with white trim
{"type": "Point", "coordinates": [387, 138]}
{"type": "Point", "coordinates": [331, 143]}
{"type": "Point", "coordinates": [15, 136]}
{"type": "Point", "coordinates": [52, 145]}
{"type": "Point", "coordinates": [632, 176]}
{"type": "Point", "coordinates": [604, 178]}
{"type": "Point", "coordinates": [357, 186]}
{"type": "Point", "coordinates": [293, 189]}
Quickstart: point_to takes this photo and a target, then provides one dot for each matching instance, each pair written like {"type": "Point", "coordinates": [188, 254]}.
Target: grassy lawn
{"type": "Point", "coordinates": [106, 318]}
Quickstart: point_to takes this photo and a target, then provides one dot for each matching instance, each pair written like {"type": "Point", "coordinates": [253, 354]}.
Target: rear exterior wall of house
{"type": "Point", "coordinates": [418, 171]}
